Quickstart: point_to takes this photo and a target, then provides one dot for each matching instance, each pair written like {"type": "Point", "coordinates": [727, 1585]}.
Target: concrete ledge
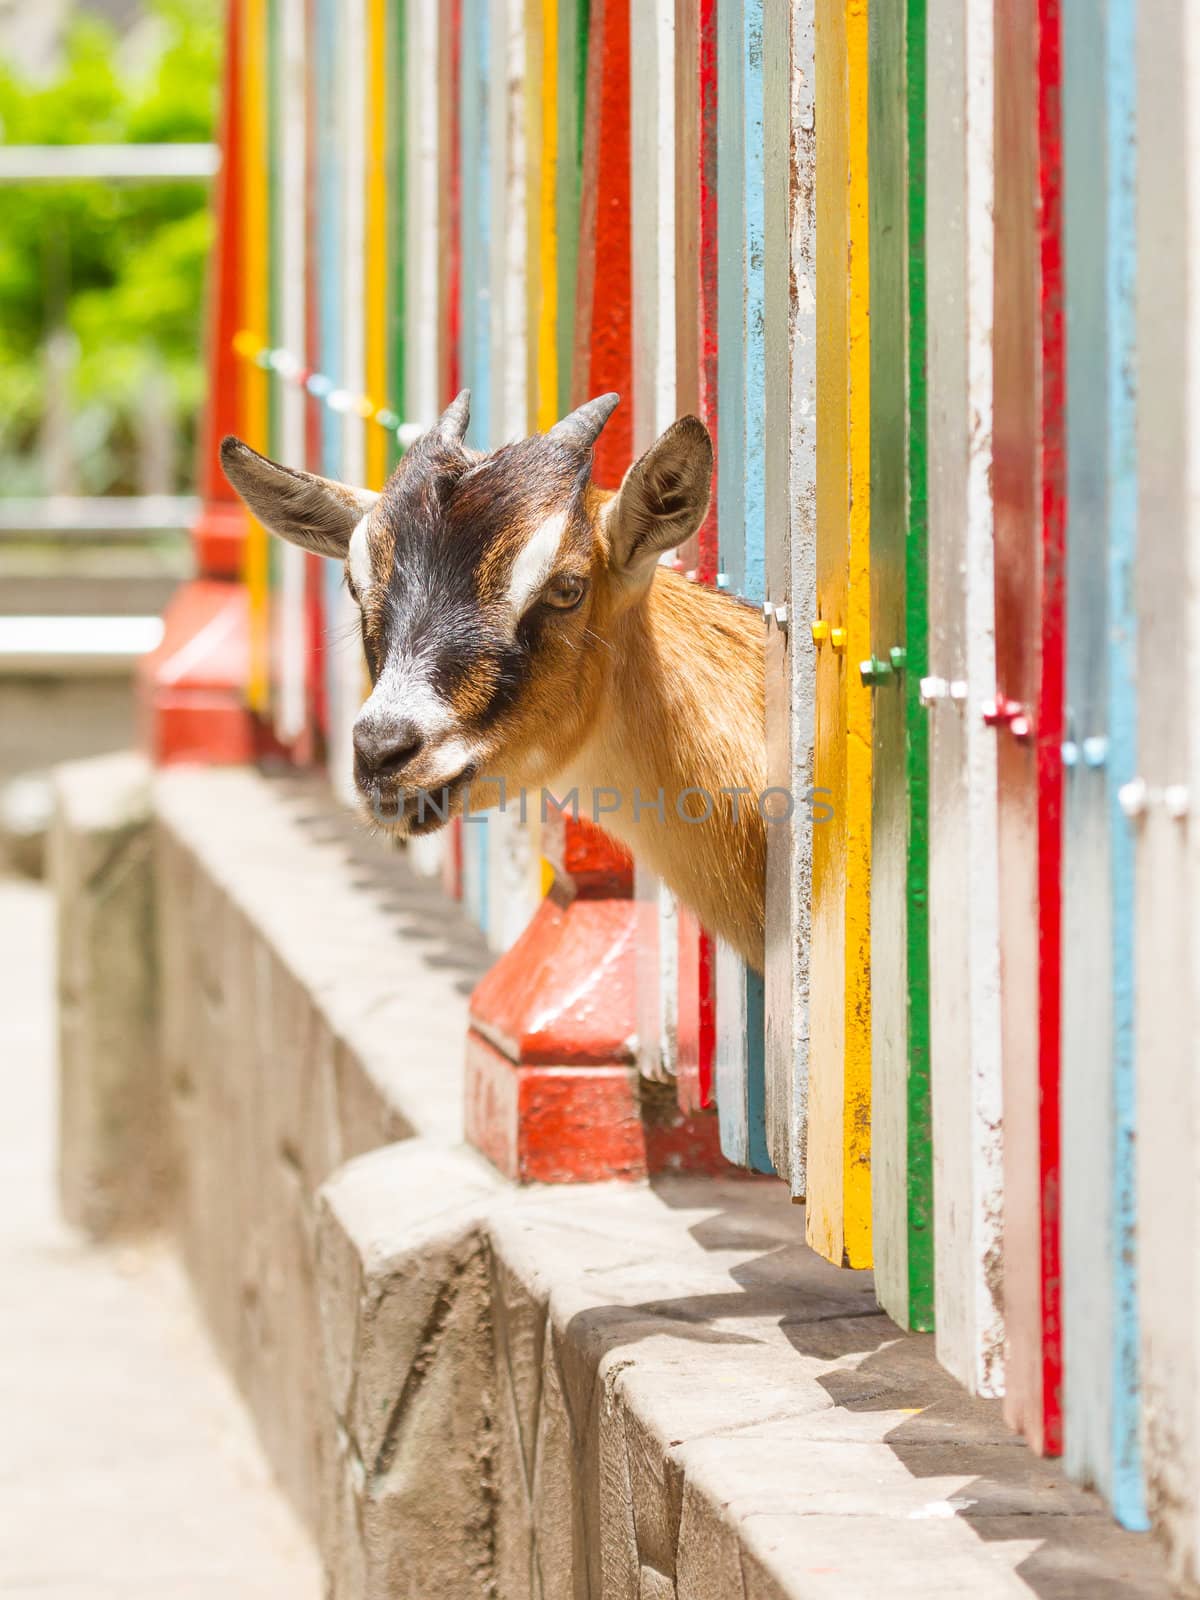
{"type": "Point", "coordinates": [659, 1392]}
{"type": "Point", "coordinates": [314, 1002]}
{"type": "Point", "coordinates": [113, 1147]}
{"type": "Point", "coordinates": [622, 1391]}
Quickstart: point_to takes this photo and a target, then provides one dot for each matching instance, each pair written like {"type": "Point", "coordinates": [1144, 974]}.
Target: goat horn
{"type": "Point", "coordinates": [582, 427]}
{"type": "Point", "coordinates": [452, 424]}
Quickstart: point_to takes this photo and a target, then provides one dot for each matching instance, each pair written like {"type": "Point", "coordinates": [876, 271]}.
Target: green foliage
{"type": "Point", "coordinates": [121, 265]}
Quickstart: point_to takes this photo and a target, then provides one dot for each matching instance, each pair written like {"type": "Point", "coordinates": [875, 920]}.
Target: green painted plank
{"type": "Point", "coordinates": [901, 1151]}
{"type": "Point", "coordinates": [572, 75]}
{"type": "Point", "coordinates": [916, 596]}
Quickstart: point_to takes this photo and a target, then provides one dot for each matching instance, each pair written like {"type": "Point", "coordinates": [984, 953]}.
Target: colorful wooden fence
{"type": "Point", "coordinates": [927, 275]}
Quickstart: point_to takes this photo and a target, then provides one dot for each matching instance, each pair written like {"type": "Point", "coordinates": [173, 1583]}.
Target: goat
{"type": "Point", "coordinates": [519, 631]}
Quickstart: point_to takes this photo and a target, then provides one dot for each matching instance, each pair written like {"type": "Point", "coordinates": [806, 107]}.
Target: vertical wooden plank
{"type": "Point", "coordinates": [652, 142]}
{"type": "Point", "coordinates": [423, 225]}
{"type": "Point", "coordinates": [449, 281]}
{"type": "Point", "coordinates": [696, 392]}
{"type": "Point", "coordinates": [390, 98]}
{"type": "Point", "coordinates": [1127, 1491]}
{"type": "Point", "coordinates": [1087, 1166]}
{"type": "Point", "coordinates": [889, 788]}
{"type": "Point", "coordinates": [330, 354]}
{"type": "Point", "coordinates": [901, 1155]}
{"type": "Point", "coordinates": [344, 649]}
{"type": "Point", "coordinates": [800, 602]}
{"type": "Point", "coordinates": [449, 148]}
{"type": "Point", "coordinates": [1028, 712]}
{"type": "Point", "coordinates": [253, 396]}
{"type": "Point", "coordinates": [313, 329]}
{"type": "Point", "coordinates": [475, 332]}
{"type": "Point", "coordinates": [546, 309]}
{"type": "Point", "coordinates": [287, 332]}
{"type": "Point", "coordinates": [423, 220]}
{"type": "Point", "coordinates": [378, 291]}
{"type": "Point", "coordinates": [571, 73]}
{"type": "Point", "coordinates": [740, 1069]}
{"type": "Point", "coordinates": [1048, 726]}
{"type": "Point", "coordinates": [603, 350]}
{"type": "Point", "coordinates": [787, 838]}
{"type": "Point", "coordinates": [513, 881]}
{"type": "Point", "coordinates": [838, 1217]}
{"type": "Point", "coordinates": [508, 257]}
{"type": "Point", "coordinates": [965, 1067]}
{"type": "Point", "coordinates": [314, 576]}
{"type": "Point", "coordinates": [919, 1188]}
{"type": "Point", "coordinates": [731, 307]}
{"type": "Point", "coordinates": [1168, 314]}
{"type": "Point", "coordinates": [475, 344]}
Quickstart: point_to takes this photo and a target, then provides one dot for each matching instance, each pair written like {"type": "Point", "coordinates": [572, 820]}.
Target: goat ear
{"type": "Point", "coordinates": [315, 513]}
{"type": "Point", "coordinates": [663, 499]}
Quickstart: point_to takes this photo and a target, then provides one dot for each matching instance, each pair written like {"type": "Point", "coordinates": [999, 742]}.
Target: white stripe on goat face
{"type": "Point", "coordinates": [358, 558]}
{"type": "Point", "coordinates": [534, 565]}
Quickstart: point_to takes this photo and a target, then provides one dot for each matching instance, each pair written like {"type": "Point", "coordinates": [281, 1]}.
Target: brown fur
{"type": "Point", "coordinates": [651, 683]}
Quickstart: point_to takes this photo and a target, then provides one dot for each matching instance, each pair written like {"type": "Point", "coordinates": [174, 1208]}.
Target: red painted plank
{"type": "Point", "coordinates": [450, 174]}
{"type": "Point", "coordinates": [313, 576]}
{"type": "Point", "coordinates": [603, 326]}
{"type": "Point", "coordinates": [1049, 720]}
{"type": "Point", "coordinates": [1029, 495]}
{"type": "Point", "coordinates": [218, 535]}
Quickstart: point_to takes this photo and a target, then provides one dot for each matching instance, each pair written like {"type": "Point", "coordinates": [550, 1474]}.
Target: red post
{"type": "Point", "coordinates": [191, 689]}
{"type": "Point", "coordinates": [553, 1090]}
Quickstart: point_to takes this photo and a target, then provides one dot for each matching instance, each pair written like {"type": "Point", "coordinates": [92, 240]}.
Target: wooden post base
{"type": "Point", "coordinates": [192, 688]}
{"type": "Point", "coordinates": [553, 1094]}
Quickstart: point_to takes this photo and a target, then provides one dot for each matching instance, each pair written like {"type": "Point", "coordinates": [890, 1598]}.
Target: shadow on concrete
{"type": "Point", "coordinates": [829, 1317]}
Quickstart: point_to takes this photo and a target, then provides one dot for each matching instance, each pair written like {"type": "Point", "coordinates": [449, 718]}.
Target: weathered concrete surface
{"type": "Point", "coordinates": [128, 1468]}
{"type": "Point", "coordinates": [113, 1148]}
{"type": "Point", "coordinates": [637, 1393]}
{"type": "Point", "coordinates": [313, 1001]}
{"type": "Point", "coordinates": [477, 1393]}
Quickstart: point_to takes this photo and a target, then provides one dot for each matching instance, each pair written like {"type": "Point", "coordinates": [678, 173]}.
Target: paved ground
{"type": "Point", "coordinates": [127, 1466]}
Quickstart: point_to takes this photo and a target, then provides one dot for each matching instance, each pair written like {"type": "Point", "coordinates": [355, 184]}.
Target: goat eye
{"type": "Point", "coordinates": [352, 591]}
{"type": "Point", "coordinates": [564, 594]}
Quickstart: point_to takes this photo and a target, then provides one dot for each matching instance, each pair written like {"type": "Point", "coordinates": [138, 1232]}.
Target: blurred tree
{"type": "Point", "coordinates": [120, 266]}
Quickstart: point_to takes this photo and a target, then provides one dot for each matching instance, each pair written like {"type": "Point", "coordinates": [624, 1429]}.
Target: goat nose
{"type": "Point", "coordinates": [386, 745]}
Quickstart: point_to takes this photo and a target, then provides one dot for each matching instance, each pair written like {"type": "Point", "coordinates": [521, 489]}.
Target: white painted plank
{"type": "Point", "coordinates": [1168, 467]}
{"type": "Point", "coordinates": [965, 1063]}
{"type": "Point", "coordinates": [420, 400]}
{"type": "Point", "coordinates": [652, 135]}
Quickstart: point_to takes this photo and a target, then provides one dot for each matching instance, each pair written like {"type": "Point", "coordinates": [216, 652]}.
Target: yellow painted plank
{"type": "Point", "coordinates": [376, 284]}
{"type": "Point", "coordinates": [839, 1170]}
{"type": "Point", "coordinates": [253, 397]}
{"type": "Point", "coordinates": [547, 246]}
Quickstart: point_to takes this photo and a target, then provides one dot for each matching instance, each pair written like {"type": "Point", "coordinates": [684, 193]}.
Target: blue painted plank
{"type": "Point", "coordinates": [1100, 1325]}
{"type": "Point", "coordinates": [1087, 1023]}
{"type": "Point", "coordinates": [741, 1056]}
{"type": "Point", "coordinates": [753, 585]}
{"type": "Point", "coordinates": [731, 1068]}
{"type": "Point", "coordinates": [1127, 1489]}
{"type": "Point", "coordinates": [753, 581]}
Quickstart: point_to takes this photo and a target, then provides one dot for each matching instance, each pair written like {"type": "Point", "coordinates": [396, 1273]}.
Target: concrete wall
{"type": "Point", "coordinates": [473, 1391]}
